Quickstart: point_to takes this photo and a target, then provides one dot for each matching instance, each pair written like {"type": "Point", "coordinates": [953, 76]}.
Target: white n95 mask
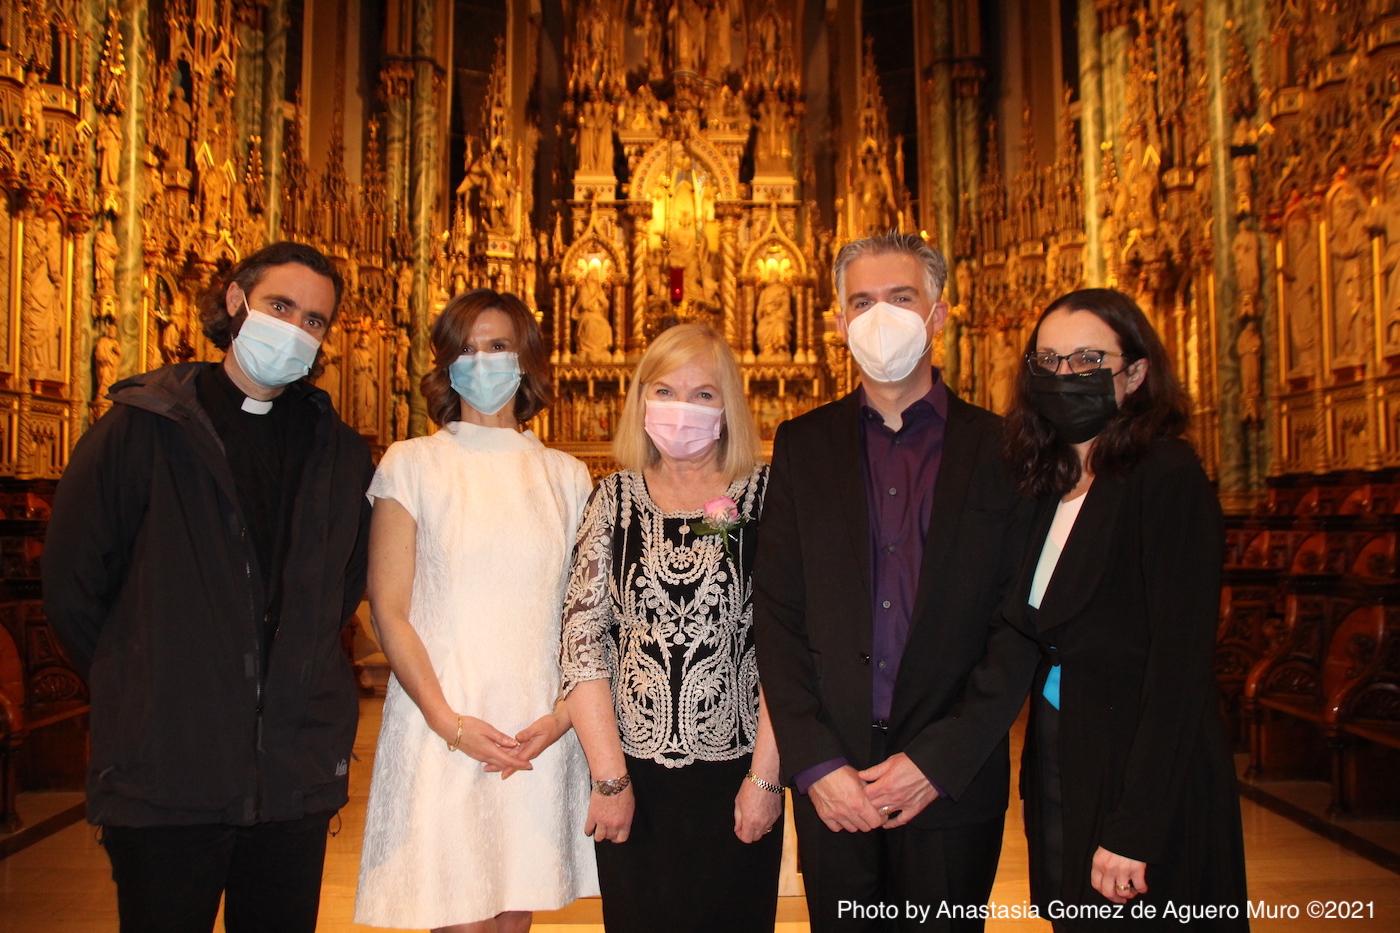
{"type": "Point", "coordinates": [888, 341]}
{"type": "Point", "coordinates": [273, 353]}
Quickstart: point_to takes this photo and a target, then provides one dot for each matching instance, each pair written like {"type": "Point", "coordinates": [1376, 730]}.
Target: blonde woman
{"type": "Point", "coordinates": [658, 655]}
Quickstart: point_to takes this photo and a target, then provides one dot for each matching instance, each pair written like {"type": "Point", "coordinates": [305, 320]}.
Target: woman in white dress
{"type": "Point", "coordinates": [479, 785]}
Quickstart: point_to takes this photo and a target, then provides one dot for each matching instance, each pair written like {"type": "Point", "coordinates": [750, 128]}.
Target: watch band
{"type": "Point", "coordinates": [613, 787]}
{"type": "Point", "coordinates": [766, 785]}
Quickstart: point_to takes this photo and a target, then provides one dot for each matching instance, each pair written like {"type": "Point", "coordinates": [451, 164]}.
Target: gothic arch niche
{"type": "Point", "coordinates": [685, 180]}
{"type": "Point", "coordinates": [589, 316]}
{"type": "Point", "coordinates": [777, 292]}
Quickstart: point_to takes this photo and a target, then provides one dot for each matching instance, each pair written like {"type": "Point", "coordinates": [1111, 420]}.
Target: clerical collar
{"type": "Point", "coordinates": [255, 406]}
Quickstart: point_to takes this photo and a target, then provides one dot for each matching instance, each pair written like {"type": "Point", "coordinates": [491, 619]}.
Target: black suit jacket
{"type": "Point", "coordinates": [964, 673]}
{"type": "Point", "coordinates": [1146, 770]}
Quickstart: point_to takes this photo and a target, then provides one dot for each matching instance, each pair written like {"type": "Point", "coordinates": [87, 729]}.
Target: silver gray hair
{"type": "Point", "coordinates": [935, 266]}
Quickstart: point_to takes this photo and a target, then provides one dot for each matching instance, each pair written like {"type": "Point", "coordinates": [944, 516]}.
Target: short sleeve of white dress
{"type": "Point", "coordinates": [395, 479]}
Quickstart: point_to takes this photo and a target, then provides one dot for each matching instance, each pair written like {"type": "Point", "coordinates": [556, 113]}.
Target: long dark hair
{"type": "Point", "coordinates": [1158, 408]}
{"type": "Point", "coordinates": [449, 336]}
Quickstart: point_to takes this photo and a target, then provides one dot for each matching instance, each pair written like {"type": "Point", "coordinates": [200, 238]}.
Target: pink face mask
{"type": "Point", "coordinates": [683, 431]}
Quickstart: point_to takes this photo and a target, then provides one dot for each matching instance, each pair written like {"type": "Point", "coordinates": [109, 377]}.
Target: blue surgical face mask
{"type": "Point", "coordinates": [485, 381]}
{"type": "Point", "coordinates": [273, 353]}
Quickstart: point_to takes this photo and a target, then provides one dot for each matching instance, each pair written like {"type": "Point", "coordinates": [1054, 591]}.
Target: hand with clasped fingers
{"type": "Point", "coordinates": [1118, 878]}
{"type": "Point", "coordinates": [898, 789]}
{"type": "Point", "coordinates": [887, 795]}
{"type": "Point", "coordinates": [538, 736]}
{"type": "Point", "coordinates": [478, 739]}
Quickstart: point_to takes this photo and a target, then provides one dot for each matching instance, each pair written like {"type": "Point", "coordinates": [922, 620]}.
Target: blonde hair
{"type": "Point", "coordinates": [677, 347]}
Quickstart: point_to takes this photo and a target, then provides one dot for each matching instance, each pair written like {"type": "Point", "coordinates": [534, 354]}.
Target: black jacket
{"type": "Point", "coordinates": [152, 583]}
{"type": "Point", "coordinates": [964, 673]}
{"type": "Point", "coordinates": [1146, 770]}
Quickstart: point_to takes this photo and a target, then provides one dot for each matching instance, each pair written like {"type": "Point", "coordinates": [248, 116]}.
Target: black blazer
{"type": "Point", "coordinates": [964, 673]}
{"type": "Point", "coordinates": [1130, 614]}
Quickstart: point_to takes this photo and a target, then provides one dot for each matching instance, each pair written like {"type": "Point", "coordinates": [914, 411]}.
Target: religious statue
{"type": "Point", "coordinates": [773, 152]}
{"type": "Point", "coordinates": [331, 377]}
{"type": "Point", "coordinates": [402, 348]}
{"type": "Point", "coordinates": [774, 323]}
{"type": "Point", "coordinates": [594, 335]}
{"type": "Point", "coordinates": [365, 387]}
{"type": "Point", "coordinates": [719, 57]}
{"type": "Point", "coordinates": [1383, 219]}
{"type": "Point", "coordinates": [1244, 249]}
{"type": "Point", "coordinates": [43, 307]}
{"type": "Point", "coordinates": [403, 293]}
{"type": "Point", "coordinates": [1005, 366]}
{"type": "Point", "coordinates": [1242, 161]}
{"type": "Point", "coordinates": [689, 32]}
{"type": "Point", "coordinates": [1350, 247]}
{"type": "Point", "coordinates": [1301, 293]}
{"type": "Point", "coordinates": [107, 358]}
{"type": "Point", "coordinates": [726, 113]}
{"type": "Point", "coordinates": [104, 260]}
{"type": "Point", "coordinates": [647, 24]}
{"type": "Point", "coordinates": [1249, 346]}
{"type": "Point", "coordinates": [874, 191]}
{"type": "Point", "coordinates": [595, 144]}
{"type": "Point", "coordinates": [109, 151]}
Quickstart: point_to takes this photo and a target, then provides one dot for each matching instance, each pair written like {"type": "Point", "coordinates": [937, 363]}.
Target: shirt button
{"type": "Point", "coordinates": [887, 604]}
{"type": "Point", "coordinates": [882, 665]}
{"type": "Point", "coordinates": [890, 548]}
{"type": "Point", "coordinates": [893, 491]}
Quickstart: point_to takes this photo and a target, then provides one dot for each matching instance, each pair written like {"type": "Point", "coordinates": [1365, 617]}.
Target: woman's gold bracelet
{"type": "Point", "coordinates": [766, 785]}
{"type": "Point", "coordinates": [452, 746]}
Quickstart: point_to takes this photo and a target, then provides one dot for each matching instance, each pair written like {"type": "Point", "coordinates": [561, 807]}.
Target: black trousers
{"type": "Point", "coordinates": [895, 879]}
{"type": "Point", "coordinates": [682, 869]}
{"type": "Point", "coordinates": [170, 878]}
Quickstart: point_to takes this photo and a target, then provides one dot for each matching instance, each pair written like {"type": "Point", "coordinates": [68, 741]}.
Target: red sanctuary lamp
{"type": "Point", "coordinates": [677, 286]}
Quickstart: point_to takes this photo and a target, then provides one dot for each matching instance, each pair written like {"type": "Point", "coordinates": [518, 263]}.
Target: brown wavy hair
{"type": "Point", "coordinates": [449, 338]}
{"type": "Point", "coordinates": [221, 327]}
{"type": "Point", "coordinates": [1158, 408]}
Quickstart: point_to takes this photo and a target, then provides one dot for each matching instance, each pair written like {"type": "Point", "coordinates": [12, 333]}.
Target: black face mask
{"type": "Point", "coordinates": [1077, 404]}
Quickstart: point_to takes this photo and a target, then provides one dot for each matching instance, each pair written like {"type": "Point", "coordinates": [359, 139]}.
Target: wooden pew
{"type": "Point", "coordinates": [1363, 718]}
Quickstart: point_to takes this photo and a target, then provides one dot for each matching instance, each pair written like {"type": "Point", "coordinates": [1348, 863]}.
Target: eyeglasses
{"type": "Point", "coordinates": [1046, 363]}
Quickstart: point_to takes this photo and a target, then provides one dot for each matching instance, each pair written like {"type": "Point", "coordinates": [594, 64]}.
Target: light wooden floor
{"type": "Point", "coordinates": [63, 884]}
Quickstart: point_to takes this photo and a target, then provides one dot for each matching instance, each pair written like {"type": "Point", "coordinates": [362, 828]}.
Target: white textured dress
{"type": "Point", "coordinates": [446, 842]}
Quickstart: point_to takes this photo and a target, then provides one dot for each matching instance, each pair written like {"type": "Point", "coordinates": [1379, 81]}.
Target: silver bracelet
{"type": "Point", "coordinates": [766, 785]}
{"type": "Point", "coordinates": [612, 788]}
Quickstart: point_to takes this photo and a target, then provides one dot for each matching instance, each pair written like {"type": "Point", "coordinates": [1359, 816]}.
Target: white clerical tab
{"type": "Point", "coordinates": [255, 406]}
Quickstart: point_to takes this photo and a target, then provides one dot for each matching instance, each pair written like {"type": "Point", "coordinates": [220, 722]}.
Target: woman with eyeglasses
{"type": "Point", "coordinates": [1127, 777]}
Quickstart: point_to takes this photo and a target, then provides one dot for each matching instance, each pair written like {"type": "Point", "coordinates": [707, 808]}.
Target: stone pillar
{"type": "Point", "coordinates": [728, 213]}
{"type": "Point", "coordinates": [248, 102]}
{"type": "Point", "coordinates": [640, 212]}
{"type": "Point", "coordinates": [273, 111]}
{"type": "Point", "coordinates": [131, 265]}
{"type": "Point", "coordinates": [422, 196]}
{"type": "Point", "coordinates": [938, 182]}
{"type": "Point", "coordinates": [1232, 479]}
{"type": "Point", "coordinates": [1091, 136]}
{"type": "Point", "coordinates": [395, 88]}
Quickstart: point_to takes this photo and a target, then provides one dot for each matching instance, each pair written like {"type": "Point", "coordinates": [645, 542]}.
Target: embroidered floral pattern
{"type": "Point", "coordinates": [667, 615]}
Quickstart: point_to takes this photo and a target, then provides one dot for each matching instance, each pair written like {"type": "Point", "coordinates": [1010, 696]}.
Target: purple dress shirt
{"type": "Point", "coordinates": [901, 469]}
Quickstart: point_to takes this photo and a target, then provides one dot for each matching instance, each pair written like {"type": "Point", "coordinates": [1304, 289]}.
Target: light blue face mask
{"type": "Point", "coordinates": [273, 353]}
{"type": "Point", "coordinates": [486, 381]}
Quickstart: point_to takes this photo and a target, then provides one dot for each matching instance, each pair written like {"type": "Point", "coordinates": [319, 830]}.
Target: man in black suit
{"type": "Point", "coordinates": [890, 533]}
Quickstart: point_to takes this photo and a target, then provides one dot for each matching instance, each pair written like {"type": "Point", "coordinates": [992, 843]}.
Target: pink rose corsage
{"type": "Point", "coordinates": [721, 517]}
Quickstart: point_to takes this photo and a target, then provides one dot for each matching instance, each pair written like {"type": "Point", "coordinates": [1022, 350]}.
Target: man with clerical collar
{"type": "Point", "coordinates": [890, 533]}
{"type": "Point", "coordinates": [207, 546]}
